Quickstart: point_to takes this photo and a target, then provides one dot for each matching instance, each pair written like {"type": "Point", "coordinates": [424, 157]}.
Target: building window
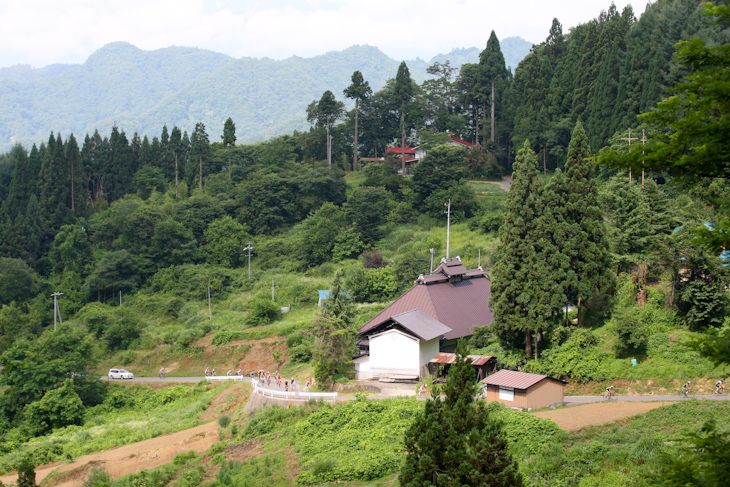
{"type": "Point", "coordinates": [506, 393]}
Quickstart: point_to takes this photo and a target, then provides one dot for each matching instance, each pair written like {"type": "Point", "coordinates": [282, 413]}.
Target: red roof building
{"type": "Point", "coordinates": [440, 308]}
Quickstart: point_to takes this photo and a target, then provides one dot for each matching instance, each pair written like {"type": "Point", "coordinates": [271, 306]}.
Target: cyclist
{"type": "Point", "coordinates": [422, 390]}
{"type": "Point", "coordinates": [609, 391]}
{"type": "Point", "coordinates": [719, 387]}
{"type": "Point", "coordinates": [207, 371]}
{"type": "Point", "coordinates": [162, 373]}
{"type": "Point", "coordinates": [686, 389]}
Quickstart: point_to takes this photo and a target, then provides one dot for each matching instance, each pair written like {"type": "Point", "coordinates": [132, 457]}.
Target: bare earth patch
{"type": "Point", "coordinates": [577, 417]}
{"type": "Point", "coordinates": [127, 459]}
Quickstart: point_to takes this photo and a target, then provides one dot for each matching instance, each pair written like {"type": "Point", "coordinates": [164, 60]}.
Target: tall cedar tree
{"type": "Point", "coordinates": [493, 75]}
{"type": "Point", "coordinates": [516, 275]}
{"type": "Point", "coordinates": [54, 189]}
{"type": "Point", "coordinates": [199, 157]}
{"type": "Point", "coordinates": [121, 170]}
{"type": "Point", "coordinates": [454, 442]}
{"type": "Point", "coordinates": [553, 233]}
{"type": "Point", "coordinates": [402, 94]}
{"type": "Point", "coordinates": [324, 113]}
{"type": "Point", "coordinates": [358, 90]}
{"type": "Point", "coordinates": [76, 174]}
{"type": "Point", "coordinates": [176, 149]}
{"type": "Point", "coordinates": [587, 246]}
{"type": "Point", "coordinates": [229, 140]}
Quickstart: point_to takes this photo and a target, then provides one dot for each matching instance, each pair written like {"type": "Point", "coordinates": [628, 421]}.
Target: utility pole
{"type": "Point", "coordinates": [210, 313]}
{"type": "Point", "coordinates": [643, 143]}
{"type": "Point", "coordinates": [120, 299]}
{"type": "Point", "coordinates": [629, 138]}
{"type": "Point", "coordinates": [432, 252]}
{"type": "Point", "coordinates": [249, 247]}
{"type": "Point", "coordinates": [56, 310]}
{"type": "Point", "coordinates": [480, 258]}
{"type": "Point", "coordinates": [448, 226]}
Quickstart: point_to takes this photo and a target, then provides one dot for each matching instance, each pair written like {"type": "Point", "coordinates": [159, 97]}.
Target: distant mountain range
{"type": "Point", "coordinates": [139, 91]}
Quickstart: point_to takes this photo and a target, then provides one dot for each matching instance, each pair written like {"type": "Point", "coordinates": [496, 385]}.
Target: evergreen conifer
{"type": "Point", "coordinates": [454, 441]}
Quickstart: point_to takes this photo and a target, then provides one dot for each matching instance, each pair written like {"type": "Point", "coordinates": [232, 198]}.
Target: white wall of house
{"type": "Point", "coordinates": [362, 367]}
{"type": "Point", "coordinates": [394, 352]}
{"type": "Point", "coordinates": [429, 350]}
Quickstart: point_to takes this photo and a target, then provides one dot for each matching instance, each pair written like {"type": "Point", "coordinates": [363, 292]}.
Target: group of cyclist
{"type": "Point", "coordinates": [719, 388]}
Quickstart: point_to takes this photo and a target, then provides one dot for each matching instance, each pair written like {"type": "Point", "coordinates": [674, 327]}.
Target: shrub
{"type": "Point", "coordinates": [97, 476]}
{"type": "Point", "coordinates": [262, 311]}
{"type": "Point", "coordinates": [578, 358]}
{"type": "Point", "coordinates": [369, 285]}
{"type": "Point", "coordinates": [300, 354]}
{"type": "Point", "coordinates": [224, 420]}
{"type": "Point", "coordinates": [57, 408]}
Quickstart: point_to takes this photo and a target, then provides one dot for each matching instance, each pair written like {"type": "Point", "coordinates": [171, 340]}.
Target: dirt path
{"type": "Point", "coordinates": [577, 417]}
{"type": "Point", "coordinates": [132, 458]}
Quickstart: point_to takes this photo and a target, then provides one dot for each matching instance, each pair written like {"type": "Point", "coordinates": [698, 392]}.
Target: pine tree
{"type": "Point", "coordinates": [229, 140]}
{"type": "Point", "coordinates": [359, 90]}
{"type": "Point", "coordinates": [454, 442]}
{"type": "Point", "coordinates": [517, 273]}
{"type": "Point", "coordinates": [402, 94]}
{"type": "Point", "coordinates": [324, 113]}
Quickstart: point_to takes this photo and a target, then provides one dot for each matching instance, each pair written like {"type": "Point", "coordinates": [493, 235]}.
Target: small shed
{"type": "Point", "coordinates": [483, 364]}
{"type": "Point", "coordinates": [524, 391]}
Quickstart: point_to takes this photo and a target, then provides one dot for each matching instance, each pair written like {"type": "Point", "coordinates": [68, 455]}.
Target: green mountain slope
{"type": "Point", "coordinates": [140, 91]}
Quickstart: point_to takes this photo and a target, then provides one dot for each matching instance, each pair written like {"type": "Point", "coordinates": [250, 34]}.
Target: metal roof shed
{"type": "Point", "coordinates": [524, 391]}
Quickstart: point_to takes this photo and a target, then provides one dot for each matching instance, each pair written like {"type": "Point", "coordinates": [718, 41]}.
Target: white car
{"type": "Point", "coordinates": [120, 374]}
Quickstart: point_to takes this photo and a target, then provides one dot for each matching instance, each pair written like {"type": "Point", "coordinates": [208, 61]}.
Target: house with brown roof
{"type": "Point", "coordinates": [399, 342]}
{"type": "Point", "coordinates": [524, 391]}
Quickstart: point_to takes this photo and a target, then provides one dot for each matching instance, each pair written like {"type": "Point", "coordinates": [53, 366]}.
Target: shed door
{"type": "Point", "coordinates": [506, 393]}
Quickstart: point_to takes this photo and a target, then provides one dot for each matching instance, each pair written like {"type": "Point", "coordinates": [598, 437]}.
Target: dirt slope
{"type": "Point", "coordinates": [577, 417]}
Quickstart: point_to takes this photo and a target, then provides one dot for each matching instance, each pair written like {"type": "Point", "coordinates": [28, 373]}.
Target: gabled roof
{"type": "Point", "coordinates": [460, 304]}
{"type": "Point", "coordinates": [450, 358]}
{"type": "Point", "coordinates": [420, 324]}
{"type": "Point", "coordinates": [401, 150]}
{"type": "Point", "coordinates": [515, 380]}
{"type": "Point", "coordinates": [460, 141]}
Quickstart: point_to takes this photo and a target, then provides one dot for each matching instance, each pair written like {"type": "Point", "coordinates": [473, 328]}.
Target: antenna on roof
{"type": "Point", "coordinates": [432, 252]}
{"type": "Point", "coordinates": [448, 226]}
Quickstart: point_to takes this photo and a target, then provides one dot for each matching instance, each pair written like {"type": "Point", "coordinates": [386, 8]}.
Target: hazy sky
{"type": "Point", "coordinates": [42, 32]}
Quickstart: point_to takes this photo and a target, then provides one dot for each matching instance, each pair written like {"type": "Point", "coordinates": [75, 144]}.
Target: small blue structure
{"type": "Point", "coordinates": [323, 294]}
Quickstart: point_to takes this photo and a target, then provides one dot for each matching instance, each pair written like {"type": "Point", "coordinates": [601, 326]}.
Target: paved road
{"type": "Point", "coordinates": [166, 379]}
{"type": "Point", "coordinates": [573, 400]}
{"type": "Point", "coordinates": [409, 390]}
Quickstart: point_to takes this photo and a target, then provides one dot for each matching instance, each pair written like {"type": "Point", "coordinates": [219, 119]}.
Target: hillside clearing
{"type": "Point", "coordinates": [577, 417]}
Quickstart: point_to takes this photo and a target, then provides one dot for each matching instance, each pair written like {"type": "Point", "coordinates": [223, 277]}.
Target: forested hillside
{"type": "Point", "coordinates": [184, 245]}
{"type": "Point", "coordinates": [139, 91]}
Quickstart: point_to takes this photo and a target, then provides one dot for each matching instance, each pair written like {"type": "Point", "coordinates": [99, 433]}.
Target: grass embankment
{"type": "Point", "coordinates": [128, 414]}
